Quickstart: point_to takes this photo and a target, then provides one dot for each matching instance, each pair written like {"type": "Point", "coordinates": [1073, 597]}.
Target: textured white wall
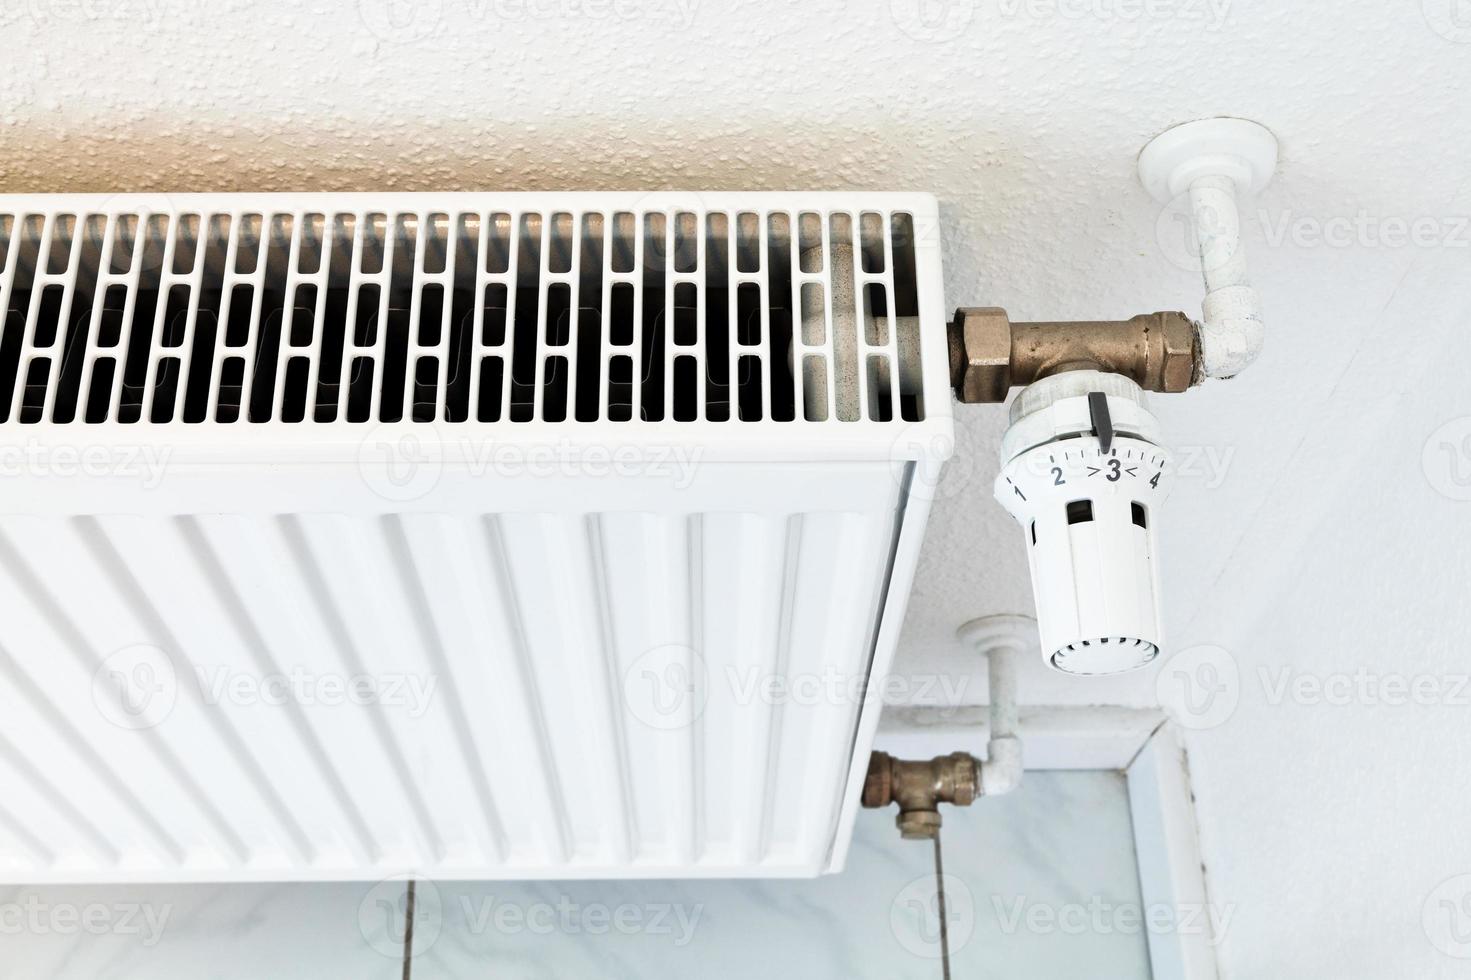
{"type": "Point", "coordinates": [1329, 771]}
{"type": "Point", "coordinates": [1309, 533]}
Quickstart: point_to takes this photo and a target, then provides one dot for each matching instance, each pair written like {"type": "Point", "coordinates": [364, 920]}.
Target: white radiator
{"type": "Point", "coordinates": [468, 535]}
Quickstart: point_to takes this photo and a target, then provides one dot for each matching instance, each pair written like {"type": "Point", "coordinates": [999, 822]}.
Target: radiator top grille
{"type": "Point", "coordinates": [263, 310]}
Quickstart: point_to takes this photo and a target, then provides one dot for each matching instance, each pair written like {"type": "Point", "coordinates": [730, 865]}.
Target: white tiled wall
{"type": "Point", "coordinates": [1040, 884]}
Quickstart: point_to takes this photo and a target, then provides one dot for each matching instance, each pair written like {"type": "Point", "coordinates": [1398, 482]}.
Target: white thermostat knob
{"type": "Point", "coordinates": [1082, 471]}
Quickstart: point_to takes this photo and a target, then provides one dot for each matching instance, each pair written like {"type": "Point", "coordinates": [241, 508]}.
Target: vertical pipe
{"type": "Point", "coordinates": [1002, 770]}
{"type": "Point", "coordinates": [1001, 639]}
{"type": "Point", "coordinates": [1001, 671]}
{"type": "Point", "coordinates": [1232, 333]}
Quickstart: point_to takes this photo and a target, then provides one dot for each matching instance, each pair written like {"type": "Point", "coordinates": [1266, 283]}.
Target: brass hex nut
{"type": "Point", "coordinates": [918, 824]}
{"type": "Point", "coordinates": [961, 774]}
{"type": "Point", "coordinates": [878, 786]}
{"type": "Point", "coordinates": [1181, 352]}
{"type": "Point", "coordinates": [980, 354]}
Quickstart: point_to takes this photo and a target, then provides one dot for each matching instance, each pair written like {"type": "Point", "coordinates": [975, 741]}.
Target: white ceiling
{"type": "Point", "coordinates": [1023, 117]}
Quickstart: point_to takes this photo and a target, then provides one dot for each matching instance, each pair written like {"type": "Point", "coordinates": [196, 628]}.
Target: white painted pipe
{"type": "Point", "coordinates": [1214, 160]}
{"type": "Point", "coordinates": [1001, 639]}
{"type": "Point", "coordinates": [1002, 770]}
{"type": "Point", "coordinates": [1232, 330]}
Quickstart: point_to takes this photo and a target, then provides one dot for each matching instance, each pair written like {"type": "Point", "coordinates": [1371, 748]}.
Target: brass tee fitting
{"type": "Point", "coordinates": [989, 354]}
{"type": "Point", "coordinates": [919, 787]}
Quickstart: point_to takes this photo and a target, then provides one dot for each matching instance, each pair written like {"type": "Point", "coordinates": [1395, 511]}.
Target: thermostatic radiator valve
{"type": "Point", "coordinates": [1082, 466]}
{"type": "Point", "coordinates": [1083, 472]}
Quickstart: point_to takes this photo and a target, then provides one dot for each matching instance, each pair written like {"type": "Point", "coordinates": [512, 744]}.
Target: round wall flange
{"type": "Point", "coordinates": [1227, 147]}
{"type": "Point", "coordinates": [1003, 630]}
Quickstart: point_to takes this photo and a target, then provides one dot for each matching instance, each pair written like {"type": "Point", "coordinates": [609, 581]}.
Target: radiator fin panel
{"type": "Point", "coordinates": [257, 315]}
{"type": "Point", "coordinates": [527, 535]}
{"type": "Point", "coordinates": [535, 751]}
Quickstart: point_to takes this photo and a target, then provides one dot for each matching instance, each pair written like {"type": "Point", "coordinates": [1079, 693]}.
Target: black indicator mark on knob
{"type": "Point", "coordinates": [1102, 422]}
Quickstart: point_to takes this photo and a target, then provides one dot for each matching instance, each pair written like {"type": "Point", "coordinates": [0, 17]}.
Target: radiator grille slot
{"type": "Point", "coordinates": [266, 315]}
